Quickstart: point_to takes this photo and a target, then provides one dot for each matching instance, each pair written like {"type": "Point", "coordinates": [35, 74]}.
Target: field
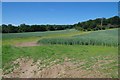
{"type": "Point", "coordinates": [105, 38]}
{"type": "Point", "coordinates": [56, 54]}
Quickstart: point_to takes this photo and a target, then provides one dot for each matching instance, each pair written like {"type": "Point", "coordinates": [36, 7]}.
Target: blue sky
{"type": "Point", "coordinates": [60, 0]}
{"type": "Point", "coordinates": [55, 12]}
{"type": "Point", "coordinates": [0, 13]}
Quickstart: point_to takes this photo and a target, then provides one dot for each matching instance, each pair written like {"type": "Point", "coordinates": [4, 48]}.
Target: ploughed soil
{"type": "Point", "coordinates": [27, 68]}
{"type": "Point", "coordinates": [26, 44]}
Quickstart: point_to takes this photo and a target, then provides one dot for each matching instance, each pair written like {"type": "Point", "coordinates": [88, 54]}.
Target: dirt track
{"type": "Point", "coordinates": [26, 44]}
{"type": "Point", "coordinates": [30, 69]}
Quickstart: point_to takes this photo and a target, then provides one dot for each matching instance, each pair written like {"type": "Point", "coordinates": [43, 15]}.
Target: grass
{"type": "Point", "coordinates": [89, 54]}
{"type": "Point", "coordinates": [13, 38]}
{"type": "Point", "coordinates": [36, 34]}
{"type": "Point", "coordinates": [105, 38]}
{"type": "Point", "coordinates": [49, 53]}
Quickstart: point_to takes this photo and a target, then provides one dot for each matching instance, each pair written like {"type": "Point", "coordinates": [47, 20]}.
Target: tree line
{"type": "Point", "coordinates": [99, 24]}
{"type": "Point", "coordinates": [90, 25]}
{"type": "Point", "coordinates": [32, 28]}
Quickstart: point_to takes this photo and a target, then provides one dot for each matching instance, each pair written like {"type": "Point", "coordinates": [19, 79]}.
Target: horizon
{"type": "Point", "coordinates": [58, 13]}
{"type": "Point", "coordinates": [58, 24]}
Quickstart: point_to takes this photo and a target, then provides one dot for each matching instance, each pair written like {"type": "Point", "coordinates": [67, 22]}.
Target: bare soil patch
{"type": "Point", "coordinates": [26, 44]}
{"type": "Point", "coordinates": [30, 69]}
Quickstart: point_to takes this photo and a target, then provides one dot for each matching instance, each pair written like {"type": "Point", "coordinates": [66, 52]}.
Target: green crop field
{"type": "Point", "coordinates": [36, 34]}
{"type": "Point", "coordinates": [94, 54]}
{"type": "Point", "coordinates": [105, 38]}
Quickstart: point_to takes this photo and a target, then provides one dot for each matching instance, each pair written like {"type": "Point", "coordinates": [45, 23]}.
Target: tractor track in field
{"type": "Point", "coordinates": [27, 44]}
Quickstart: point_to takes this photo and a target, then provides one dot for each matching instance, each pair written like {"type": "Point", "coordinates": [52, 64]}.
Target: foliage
{"type": "Point", "coordinates": [98, 24]}
{"type": "Point", "coordinates": [32, 28]}
{"type": "Point", "coordinates": [90, 25]}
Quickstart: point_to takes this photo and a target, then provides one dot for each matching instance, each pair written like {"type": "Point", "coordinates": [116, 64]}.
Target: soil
{"type": "Point", "coordinates": [26, 44]}
{"type": "Point", "coordinates": [30, 69]}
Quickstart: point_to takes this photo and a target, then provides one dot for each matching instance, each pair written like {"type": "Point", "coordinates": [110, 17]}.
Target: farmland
{"type": "Point", "coordinates": [59, 40]}
{"type": "Point", "coordinates": [67, 53]}
{"type": "Point", "coordinates": [105, 38]}
{"type": "Point", "coordinates": [37, 34]}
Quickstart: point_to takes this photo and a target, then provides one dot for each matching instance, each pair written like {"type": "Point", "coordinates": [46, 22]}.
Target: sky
{"type": "Point", "coordinates": [55, 12]}
{"type": "Point", "coordinates": [60, 0]}
{"type": "Point", "coordinates": [0, 13]}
